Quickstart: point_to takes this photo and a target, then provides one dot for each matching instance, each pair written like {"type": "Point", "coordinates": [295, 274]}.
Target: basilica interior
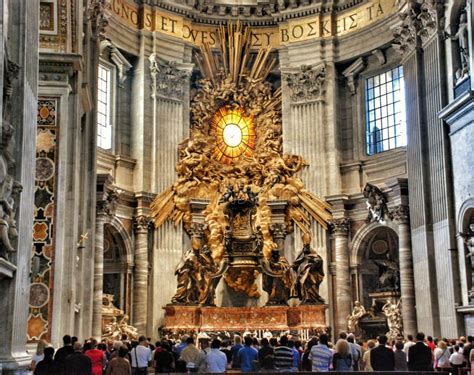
{"type": "Point", "coordinates": [192, 166]}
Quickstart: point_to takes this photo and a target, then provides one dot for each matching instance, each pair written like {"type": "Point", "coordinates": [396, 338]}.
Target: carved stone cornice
{"type": "Point", "coordinates": [97, 16]}
{"type": "Point", "coordinates": [307, 84]}
{"type": "Point", "coordinates": [168, 81]}
{"type": "Point", "coordinates": [406, 37]}
{"type": "Point", "coordinates": [340, 227]}
{"type": "Point", "coordinates": [400, 214]}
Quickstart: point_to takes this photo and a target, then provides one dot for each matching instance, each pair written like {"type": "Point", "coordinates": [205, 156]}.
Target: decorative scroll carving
{"type": "Point", "coordinates": [168, 81]}
{"type": "Point", "coordinates": [340, 226]}
{"type": "Point", "coordinates": [406, 35]}
{"type": "Point", "coordinates": [352, 72]}
{"type": "Point", "coordinates": [307, 84]}
{"type": "Point", "coordinates": [376, 203]}
{"type": "Point", "coordinates": [96, 14]}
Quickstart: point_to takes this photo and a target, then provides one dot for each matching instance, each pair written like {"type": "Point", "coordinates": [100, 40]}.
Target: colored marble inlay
{"type": "Point", "coordinates": [42, 262]}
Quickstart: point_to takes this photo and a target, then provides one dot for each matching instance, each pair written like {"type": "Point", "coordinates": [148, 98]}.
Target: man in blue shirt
{"type": "Point", "coordinates": [247, 356]}
{"type": "Point", "coordinates": [320, 355]}
{"type": "Point", "coordinates": [235, 351]}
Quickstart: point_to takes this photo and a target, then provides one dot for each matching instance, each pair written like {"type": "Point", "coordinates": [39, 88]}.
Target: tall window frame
{"type": "Point", "coordinates": [105, 105]}
{"type": "Point", "coordinates": [385, 111]}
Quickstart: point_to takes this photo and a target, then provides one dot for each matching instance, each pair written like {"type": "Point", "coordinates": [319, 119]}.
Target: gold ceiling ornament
{"type": "Point", "coordinates": [235, 91]}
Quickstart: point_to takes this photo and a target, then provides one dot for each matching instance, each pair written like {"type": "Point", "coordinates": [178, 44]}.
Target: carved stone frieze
{"type": "Point", "coordinates": [308, 84]}
{"type": "Point", "coordinates": [168, 81]}
{"type": "Point", "coordinates": [96, 14]}
{"type": "Point", "coordinates": [341, 226]}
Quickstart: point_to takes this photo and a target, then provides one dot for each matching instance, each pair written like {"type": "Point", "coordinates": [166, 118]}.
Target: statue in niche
{"type": "Point", "coordinates": [189, 276]}
{"type": "Point", "coordinates": [388, 273]}
{"type": "Point", "coordinates": [278, 286]}
{"type": "Point", "coordinates": [394, 319]}
{"type": "Point", "coordinates": [376, 203]}
{"type": "Point", "coordinates": [462, 37]}
{"type": "Point", "coordinates": [353, 319]}
{"type": "Point", "coordinates": [208, 284]}
{"type": "Point", "coordinates": [309, 273]}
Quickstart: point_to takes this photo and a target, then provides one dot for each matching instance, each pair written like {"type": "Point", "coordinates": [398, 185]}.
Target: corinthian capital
{"type": "Point", "coordinates": [141, 223]}
{"type": "Point", "coordinates": [307, 84]}
{"type": "Point", "coordinates": [401, 214]}
{"type": "Point", "coordinates": [431, 18]}
{"type": "Point", "coordinates": [168, 81]}
{"type": "Point", "coordinates": [96, 15]}
{"type": "Point", "coordinates": [406, 36]}
{"type": "Point", "coordinates": [340, 227]}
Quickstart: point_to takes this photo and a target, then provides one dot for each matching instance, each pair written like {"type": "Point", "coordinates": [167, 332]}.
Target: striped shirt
{"type": "Point", "coordinates": [283, 357]}
{"type": "Point", "coordinates": [321, 358]}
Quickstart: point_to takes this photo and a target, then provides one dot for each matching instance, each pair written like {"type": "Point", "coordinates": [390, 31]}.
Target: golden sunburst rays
{"type": "Point", "coordinates": [234, 134]}
{"type": "Point", "coordinates": [234, 58]}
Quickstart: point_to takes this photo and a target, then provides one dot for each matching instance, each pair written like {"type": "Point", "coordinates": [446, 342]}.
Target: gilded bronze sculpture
{"type": "Point", "coordinates": [278, 284]}
{"type": "Point", "coordinates": [188, 274]}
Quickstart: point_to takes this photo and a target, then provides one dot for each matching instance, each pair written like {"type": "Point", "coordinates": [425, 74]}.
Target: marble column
{"type": "Point", "coordinates": [343, 293]}
{"type": "Point", "coordinates": [98, 272]}
{"type": "Point", "coordinates": [140, 275]}
{"type": "Point", "coordinates": [407, 286]}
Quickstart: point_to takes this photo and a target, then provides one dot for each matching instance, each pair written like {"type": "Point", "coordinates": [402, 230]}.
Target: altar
{"type": "Point", "coordinates": [303, 320]}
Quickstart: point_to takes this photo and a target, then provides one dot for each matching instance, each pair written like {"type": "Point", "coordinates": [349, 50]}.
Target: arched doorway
{"type": "Point", "coordinates": [117, 268]}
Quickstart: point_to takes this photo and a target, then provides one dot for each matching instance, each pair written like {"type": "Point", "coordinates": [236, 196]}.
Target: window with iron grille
{"type": "Point", "coordinates": [104, 121]}
{"type": "Point", "coordinates": [385, 111]}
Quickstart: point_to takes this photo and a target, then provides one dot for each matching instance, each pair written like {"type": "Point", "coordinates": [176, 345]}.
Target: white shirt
{"type": "Point", "coordinates": [407, 346]}
{"type": "Point", "coordinates": [456, 359]}
{"type": "Point", "coordinates": [442, 356]}
{"type": "Point", "coordinates": [216, 361]}
{"type": "Point", "coordinates": [142, 354]}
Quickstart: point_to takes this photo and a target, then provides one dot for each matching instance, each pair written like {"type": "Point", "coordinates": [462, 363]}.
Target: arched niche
{"type": "Point", "coordinates": [466, 230]}
{"type": "Point", "coordinates": [372, 242]}
{"type": "Point", "coordinates": [117, 264]}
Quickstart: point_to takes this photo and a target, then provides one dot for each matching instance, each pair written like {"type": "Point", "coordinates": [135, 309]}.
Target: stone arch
{"type": "Point", "coordinates": [465, 212]}
{"type": "Point", "coordinates": [122, 235]}
{"type": "Point", "coordinates": [361, 237]}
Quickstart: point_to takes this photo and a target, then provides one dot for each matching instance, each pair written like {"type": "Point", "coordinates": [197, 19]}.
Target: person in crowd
{"type": "Point", "coordinates": [420, 357]}
{"type": "Point", "coordinates": [216, 361]}
{"type": "Point", "coordinates": [273, 342]}
{"type": "Point", "coordinates": [247, 356]}
{"type": "Point", "coordinates": [180, 347]}
{"type": "Point", "coordinates": [356, 351]}
{"type": "Point", "coordinates": [163, 358]}
{"type": "Point", "coordinates": [141, 356]}
{"type": "Point", "coordinates": [235, 351]}
{"type": "Point", "coordinates": [46, 366]}
{"type": "Point", "coordinates": [97, 358]}
{"type": "Point", "coordinates": [62, 353]}
{"type": "Point", "coordinates": [296, 356]}
{"type": "Point", "coordinates": [366, 364]}
{"type": "Point", "coordinates": [305, 360]}
{"type": "Point", "coordinates": [78, 363]}
{"type": "Point", "coordinates": [264, 350]}
{"type": "Point", "coordinates": [400, 358]}
{"type": "Point", "coordinates": [441, 356]}
{"type": "Point", "coordinates": [408, 344]}
{"type": "Point", "coordinates": [430, 343]}
{"type": "Point", "coordinates": [192, 356]}
{"type": "Point", "coordinates": [457, 359]}
{"type": "Point", "coordinates": [120, 365]}
{"type": "Point", "coordinates": [39, 354]}
{"type": "Point", "coordinates": [228, 353]}
{"type": "Point", "coordinates": [268, 364]}
{"type": "Point", "coordinates": [320, 355]}
{"type": "Point", "coordinates": [342, 358]}
{"type": "Point", "coordinates": [467, 348]}
{"type": "Point", "coordinates": [115, 349]}
{"type": "Point", "coordinates": [284, 356]}
{"type": "Point", "coordinates": [381, 357]}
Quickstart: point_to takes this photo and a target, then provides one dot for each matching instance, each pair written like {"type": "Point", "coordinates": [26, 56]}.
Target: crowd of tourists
{"type": "Point", "coordinates": [250, 354]}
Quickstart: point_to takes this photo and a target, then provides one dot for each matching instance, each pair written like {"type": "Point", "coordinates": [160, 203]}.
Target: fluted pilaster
{"type": "Point", "coordinates": [407, 286]}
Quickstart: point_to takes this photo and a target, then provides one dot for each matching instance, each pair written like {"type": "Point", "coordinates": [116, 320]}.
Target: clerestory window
{"type": "Point", "coordinates": [104, 108]}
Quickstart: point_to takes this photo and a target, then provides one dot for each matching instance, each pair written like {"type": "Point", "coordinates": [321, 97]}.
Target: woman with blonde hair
{"type": "Point", "coordinates": [39, 354]}
{"type": "Point", "coordinates": [441, 356]}
{"type": "Point", "coordinates": [342, 359]}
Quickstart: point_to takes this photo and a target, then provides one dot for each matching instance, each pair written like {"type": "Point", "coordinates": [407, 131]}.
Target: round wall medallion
{"type": "Point", "coordinates": [44, 169]}
{"type": "Point", "coordinates": [39, 295]}
{"type": "Point", "coordinates": [380, 247]}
